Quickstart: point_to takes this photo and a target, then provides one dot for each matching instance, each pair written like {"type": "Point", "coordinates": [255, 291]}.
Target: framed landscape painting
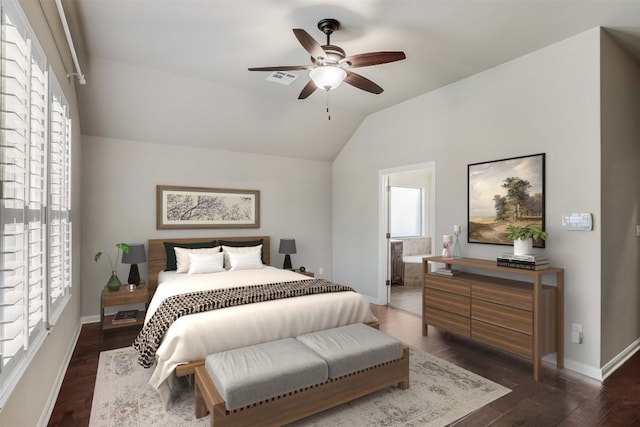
{"type": "Point", "coordinates": [199, 207]}
{"type": "Point", "coordinates": [503, 192]}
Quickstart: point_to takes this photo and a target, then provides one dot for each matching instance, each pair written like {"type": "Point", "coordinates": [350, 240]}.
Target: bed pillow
{"type": "Point", "coordinates": [169, 248]}
{"type": "Point", "coordinates": [200, 263]}
{"type": "Point", "coordinates": [182, 256]}
{"type": "Point", "coordinates": [244, 260]}
{"type": "Point", "coordinates": [243, 249]}
{"type": "Point", "coordinates": [242, 244]}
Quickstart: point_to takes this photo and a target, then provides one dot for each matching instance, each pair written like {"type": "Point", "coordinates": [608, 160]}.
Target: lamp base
{"type": "Point", "coordinates": [287, 263]}
{"type": "Point", "coordinates": [134, 275]}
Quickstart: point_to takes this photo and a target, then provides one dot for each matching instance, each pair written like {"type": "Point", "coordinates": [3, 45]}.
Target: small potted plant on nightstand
{"type": "Point", "coordinates": [523, 237]}
{"type": "Point", "coordinates": [114, 282]}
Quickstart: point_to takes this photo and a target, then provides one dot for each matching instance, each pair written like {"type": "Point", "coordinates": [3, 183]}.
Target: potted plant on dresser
{"type": "Point", "coordinates": [523, 237]}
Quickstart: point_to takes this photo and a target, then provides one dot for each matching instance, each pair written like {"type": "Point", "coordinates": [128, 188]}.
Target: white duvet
{"type": "Point", "coordinates": [195, 336]}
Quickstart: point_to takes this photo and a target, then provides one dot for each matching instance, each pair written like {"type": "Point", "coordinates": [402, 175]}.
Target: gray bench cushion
{"type": "Point", "coordinates": [347, 349]}
{"type": "Point", "coordinates": [247, 375]}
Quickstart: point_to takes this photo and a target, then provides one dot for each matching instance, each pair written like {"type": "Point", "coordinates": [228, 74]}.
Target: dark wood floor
{"type": "Point", "coordinates": [561, 398]}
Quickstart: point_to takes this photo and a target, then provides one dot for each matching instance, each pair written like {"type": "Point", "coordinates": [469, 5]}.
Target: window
{"type": "Point", "coordinates": [59, 207]}
{"type": "Point", "coordinates": [35, 233]}
{"type": "Point", "coordinates": [405, 205]}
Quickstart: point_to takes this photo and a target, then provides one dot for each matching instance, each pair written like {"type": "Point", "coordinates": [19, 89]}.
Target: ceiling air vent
{"type": "Point", "coordinates": [282, 77]}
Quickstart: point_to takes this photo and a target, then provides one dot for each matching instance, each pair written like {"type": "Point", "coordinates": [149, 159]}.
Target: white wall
{"type": "Point", "coordinates": [545, 102]}
{"type": "Point", "coordinates": [119, 201]}
{"type": "Point", "coordinates": [33, 398]}
{"type": "Point", "coordinates": [620, 199]}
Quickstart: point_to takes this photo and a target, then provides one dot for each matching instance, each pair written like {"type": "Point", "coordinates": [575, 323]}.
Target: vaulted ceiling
{"type": "Point", "coordinates": [175, 71]}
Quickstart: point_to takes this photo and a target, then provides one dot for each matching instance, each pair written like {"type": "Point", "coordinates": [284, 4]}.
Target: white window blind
{"type": "Point", "coordinates": [35, 167]}
{"type": "Point", "coordinates": [59, 201]}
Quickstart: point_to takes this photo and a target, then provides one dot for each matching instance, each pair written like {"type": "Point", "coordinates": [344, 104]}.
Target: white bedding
{"type": "Point", "coordinates": [195, 336]}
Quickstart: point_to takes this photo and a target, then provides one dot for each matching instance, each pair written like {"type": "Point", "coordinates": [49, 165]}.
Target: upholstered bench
{"type": "Point", "coordinates": [282, 381]}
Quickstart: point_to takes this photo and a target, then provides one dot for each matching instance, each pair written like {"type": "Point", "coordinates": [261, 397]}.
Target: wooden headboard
{"type": "Point", "coordinates": [158, 256]}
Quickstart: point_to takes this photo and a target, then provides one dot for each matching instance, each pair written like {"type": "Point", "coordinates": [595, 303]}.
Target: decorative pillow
{"type": "Point", "coordinates": [242, 249]}
{"type": "Point", "coordinates": [200, 263]}
{"type": "Point", "coordinates": [244, 260]}
{"type": "Point", "coordinates": [182, 256]}
{"type": "Point", "coordinates": [171, 253]}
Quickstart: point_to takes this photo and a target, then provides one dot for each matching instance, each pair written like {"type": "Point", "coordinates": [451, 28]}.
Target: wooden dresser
{"type": "Point", "coordinates": [523, 317]}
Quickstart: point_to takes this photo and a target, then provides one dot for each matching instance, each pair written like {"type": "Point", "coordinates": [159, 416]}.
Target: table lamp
{"type": "Point", "coordinates": [135, 256]}
{"type": "Point", "coordinates": [287, 246]}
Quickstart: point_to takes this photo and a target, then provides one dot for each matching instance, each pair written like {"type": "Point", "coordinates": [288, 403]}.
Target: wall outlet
{"type": "Point", "coordinates": [576, 333]}
{"type": "Point", "coordinates": [320, 271]}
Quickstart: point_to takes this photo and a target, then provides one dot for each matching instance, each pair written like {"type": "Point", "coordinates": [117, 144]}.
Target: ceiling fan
{"type": "Point", "coordinates": [330, 65]}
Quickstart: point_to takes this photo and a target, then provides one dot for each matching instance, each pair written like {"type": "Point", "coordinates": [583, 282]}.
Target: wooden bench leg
{"type": "Point", "coordinates": [201, 409]}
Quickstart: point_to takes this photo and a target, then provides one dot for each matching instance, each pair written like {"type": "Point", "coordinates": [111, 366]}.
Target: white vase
{"type": "Point", "coordinates": [523, 247]}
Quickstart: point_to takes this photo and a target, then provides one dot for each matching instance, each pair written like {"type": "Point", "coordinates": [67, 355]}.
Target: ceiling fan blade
{"type": "Point", "coordinates": [307, 90]}
{"type": "Point", "coordinates": [361, 82]}
{"type": "Point", "coordinates": [282, 68]}
{"type": "Point", "coordinates": [309, 43]}
{"type": "Point", "coordinates": [373, 58]}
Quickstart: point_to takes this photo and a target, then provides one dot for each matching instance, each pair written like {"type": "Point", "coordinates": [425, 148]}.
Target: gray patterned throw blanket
{"type": "Point", "coordinates": [174, 307]}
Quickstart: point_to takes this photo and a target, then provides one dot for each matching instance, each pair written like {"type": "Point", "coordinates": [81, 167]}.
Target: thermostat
{"type": "Point", "coordinates": [577, 222]}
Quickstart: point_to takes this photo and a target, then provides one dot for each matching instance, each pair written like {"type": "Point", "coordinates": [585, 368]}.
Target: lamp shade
{"type": "Point", "coordinates": [136, 254]}
{"type": "Point", "coordinates": [328, 77]}
{"type": "Point", "coordinates": [287, 246]}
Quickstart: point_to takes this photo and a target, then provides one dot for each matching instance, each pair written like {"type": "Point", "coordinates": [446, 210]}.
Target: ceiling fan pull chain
{"type": "Point", "coordinates": [328, 114]}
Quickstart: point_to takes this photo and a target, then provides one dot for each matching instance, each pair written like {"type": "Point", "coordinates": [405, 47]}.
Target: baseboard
{"type": "Point", "coordinates": [601, 374]}
{"type": "Point", "coordinates": [619, 360]}
{"type": "Point", "coordinates": [583, 369]}
{"type": "Point", "coordinates": [53, 396]}
{"type": "Point", "coordinates": [90, 319]}
{"type": "Point", "coordinates": [375, 301]}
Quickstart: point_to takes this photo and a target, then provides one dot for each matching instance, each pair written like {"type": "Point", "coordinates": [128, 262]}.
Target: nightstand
{"type": "Point", "coordinates": [124, 296]}
{"type": "Point", "coordinates": [306, 273]}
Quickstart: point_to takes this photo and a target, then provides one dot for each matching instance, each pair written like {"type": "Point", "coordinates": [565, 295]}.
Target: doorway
{"type": "Point", "coordinates": [405, 234]}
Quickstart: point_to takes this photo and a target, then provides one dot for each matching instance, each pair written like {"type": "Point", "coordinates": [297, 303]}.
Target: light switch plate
{"type": "Point", "coordinates": [578, 221]}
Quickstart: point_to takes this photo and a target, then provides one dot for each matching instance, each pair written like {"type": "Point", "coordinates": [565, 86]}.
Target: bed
{"type": "Point", "coordinates": [191, 338]}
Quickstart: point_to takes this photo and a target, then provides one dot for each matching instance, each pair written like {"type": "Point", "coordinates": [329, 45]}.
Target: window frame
{"type": "Point", "coordinates": [26, 201]}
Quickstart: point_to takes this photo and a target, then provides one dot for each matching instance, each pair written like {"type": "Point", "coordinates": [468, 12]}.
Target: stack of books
{"type": "Point", "coordinates": [448, 271]}
{"type": "Point", "coordinates": [125, 316]}
{"type": "Point", "coordinates": [523, 262]}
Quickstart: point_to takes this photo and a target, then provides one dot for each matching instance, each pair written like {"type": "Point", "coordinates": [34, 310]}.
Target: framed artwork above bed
{"type": "Point", "coordinates": [201, 207]}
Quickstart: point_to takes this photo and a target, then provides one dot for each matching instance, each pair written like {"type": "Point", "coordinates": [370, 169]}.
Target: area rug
{"type": "Point", "coordinates": [440, 393]}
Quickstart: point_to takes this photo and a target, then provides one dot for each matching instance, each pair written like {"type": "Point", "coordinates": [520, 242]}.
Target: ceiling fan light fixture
{"type": "Point", "coordinates": [327, 77]}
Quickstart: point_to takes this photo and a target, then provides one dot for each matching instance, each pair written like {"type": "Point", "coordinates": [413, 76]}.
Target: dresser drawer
{"type": "Point", "coordinates": [448, 285]}
{"type": "Point", "coordinates": [447, 301]}
{"type": "Point", "coordinates": [500, 315]}
{"type": "Point", "coordinates": [451, 322]}
{"type": "Point", "coordinates": [508, 296]}
{"type": "Point", "coordinates": [505, 339]}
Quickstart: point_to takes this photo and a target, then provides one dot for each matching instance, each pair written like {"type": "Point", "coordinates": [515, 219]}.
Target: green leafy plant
{"type": "Point", "coordinates": [529, 231]}
{"type": "Point", "coordinates": [122, 247]}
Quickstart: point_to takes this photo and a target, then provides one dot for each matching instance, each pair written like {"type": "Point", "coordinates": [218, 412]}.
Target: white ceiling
{"type": "Point", "coordinates": [195, 54]}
